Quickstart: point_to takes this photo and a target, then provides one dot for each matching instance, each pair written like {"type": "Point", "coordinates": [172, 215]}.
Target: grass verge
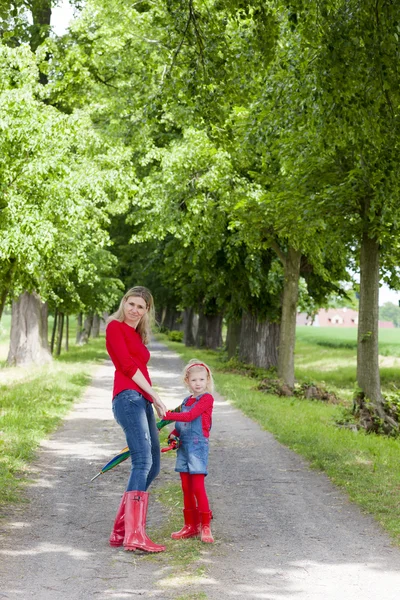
{"type": "Point", "coordinates": [367, 467]}
{"type": "Point", "coordinates": [44, 394]}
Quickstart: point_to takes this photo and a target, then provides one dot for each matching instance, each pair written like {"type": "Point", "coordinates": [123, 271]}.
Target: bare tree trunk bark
{"type": "Point", "coordinates": [60, 332]}
{"type": "Point", "coordinates": [53, 332]}
{"type": "Point", "coordinates": [96, 326]}
{"type": "Point", "coordinates": [259, 342]}
{"type": "Point", "coordinates": [213, 331]}
{"type": "Point", "coordinates": [233, 338]}
{"type": "Point", "coordinates": [3, 298]}
{"type": "Point", "coordinates": [87, 328]}
{"type": "Point", "coordinates": [66, 333]}
{"type": "Point", "coordinates": [289, 311]}
{"type": "Point", "coordinates": [201, 331]}
{"type": "Point", "coordinates": [45, 325]}
{"type": "Point", "coordinates": [188, 329]}
{"type": "Point", "coordinates": [368, 377]}
{"type": "Point", "coordinates": [28, 339]}
{"type": "Point", "coordinates": [79, 329]}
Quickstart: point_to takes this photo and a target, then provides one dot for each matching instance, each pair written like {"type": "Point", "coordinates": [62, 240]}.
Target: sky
{"type": "Point", "coordinates": [60, 18]}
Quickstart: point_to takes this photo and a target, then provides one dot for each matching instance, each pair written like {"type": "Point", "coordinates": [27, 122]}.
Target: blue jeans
{"type": "Point", "coordinates": [136, 417]}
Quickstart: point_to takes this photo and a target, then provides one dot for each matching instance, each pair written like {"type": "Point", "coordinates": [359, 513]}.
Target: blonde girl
{"type": "Point", "coordinates": [193, 426]}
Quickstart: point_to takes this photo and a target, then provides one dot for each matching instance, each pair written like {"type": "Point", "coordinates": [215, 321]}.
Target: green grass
{"type": "Point", "coordinates": [327, 356]}
{"type": "Point", "coordinates": [367, 467]}
{"type": "Point", "coordinates": [44, 394]}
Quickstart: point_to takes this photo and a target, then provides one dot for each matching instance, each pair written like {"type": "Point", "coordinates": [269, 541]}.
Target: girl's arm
{"type": "Point", "coordinates": [205, 403]}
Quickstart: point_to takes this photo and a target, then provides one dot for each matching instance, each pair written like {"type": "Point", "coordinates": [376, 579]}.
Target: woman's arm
{"type": "Point", "coordinates": [142, 382]}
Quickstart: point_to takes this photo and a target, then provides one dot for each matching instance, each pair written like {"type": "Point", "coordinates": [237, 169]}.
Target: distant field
{"type": "Point", "coordinates": [346, 337]}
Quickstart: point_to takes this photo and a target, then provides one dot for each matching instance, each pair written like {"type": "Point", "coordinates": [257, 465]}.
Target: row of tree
{"type": "Point", "coordinates": [259, 143]}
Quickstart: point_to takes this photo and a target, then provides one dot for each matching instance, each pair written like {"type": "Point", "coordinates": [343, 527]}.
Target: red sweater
{"type": "Point", "coordinates": [128, 353]}
{"type": "Point", "coordinates": [203, 407]}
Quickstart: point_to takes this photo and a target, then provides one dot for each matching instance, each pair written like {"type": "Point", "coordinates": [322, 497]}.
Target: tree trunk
{"type": "Point", "coordinates": [60, 332]}
{"type": "Point", "coordinates": [213, 331]}
{"type": "Point", "coordinates": [259, 342]}
{"type": "Point", "coordinates": [289, 311]}
{"type": "Point", "coordinates": [66, 333]}
{"type": "Point", "coordinates": [45, 325]}
{"type": "Point", "coordinates": [368, 377]}
{"type": "Point", "coordinates": [41, 17]}
{"type": "Point", "coordinates": [188, 327]}
{"type": "Point", "coordinates": [233, 338]}
{"type": "Point", "coordinates": [79, 329]}
{"type": "Point", "coordinates": [53, 332]}
{"type": "Point", "coordinates": [87, 328]}
{"type": "Point", "coordinates": [28, 339]}
{"type": "Point", "coordinates": [3, 298]}
{"type": "Point", "coordinates": [201, 331]}
{"type": "Point", "coordinates": [96, 326]}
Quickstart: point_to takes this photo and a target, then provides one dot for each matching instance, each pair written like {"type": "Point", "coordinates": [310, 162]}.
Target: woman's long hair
{"type": "Point", "coordinates": [148, 319]}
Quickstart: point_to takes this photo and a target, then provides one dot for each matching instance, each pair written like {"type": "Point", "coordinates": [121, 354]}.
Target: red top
{"type": "Point", "coordinates": [128, 353]}
{"type": "Point", "coordinates": [203, 407]}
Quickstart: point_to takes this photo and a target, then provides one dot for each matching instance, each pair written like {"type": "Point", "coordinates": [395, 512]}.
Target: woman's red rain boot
{"type": "Point", "coordinates": [191, 527]}
{"type": "Point", "coordinates": [205, 531]}
{"type": "Point", "coordinates": [135, 523]}
{"type": "Point", "coordinates": [118, 532]}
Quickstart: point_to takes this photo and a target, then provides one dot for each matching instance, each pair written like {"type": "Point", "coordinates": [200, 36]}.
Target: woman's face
{"type": "Point", "coordinates": [134, 309]}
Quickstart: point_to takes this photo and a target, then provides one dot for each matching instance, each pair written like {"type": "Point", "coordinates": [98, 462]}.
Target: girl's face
{"type": "Point", "coordinates": [197, 380]}
{"type": "Point", "coordinates": [134, 309]}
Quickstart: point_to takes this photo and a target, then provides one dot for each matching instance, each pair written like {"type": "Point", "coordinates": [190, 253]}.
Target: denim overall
{"type": "Point", "coordinates": [192, 454]}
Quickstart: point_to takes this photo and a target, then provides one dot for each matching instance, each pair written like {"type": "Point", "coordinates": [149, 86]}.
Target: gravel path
{"type": "Point", "coordinates": [283, 532]}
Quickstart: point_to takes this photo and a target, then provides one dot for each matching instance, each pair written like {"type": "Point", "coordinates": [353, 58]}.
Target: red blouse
{"type": "Point", "coordinates": [203, 407]}
{"type": "Point", "coordinates": [128, 353]}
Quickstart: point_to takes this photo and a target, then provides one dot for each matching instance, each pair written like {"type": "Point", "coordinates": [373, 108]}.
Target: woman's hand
{"type": "Point", "coordinates": [159, 405]}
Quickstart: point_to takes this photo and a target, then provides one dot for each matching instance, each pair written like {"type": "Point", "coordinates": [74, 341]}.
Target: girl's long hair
{"type": "Point", "coordinates": [148, 319]}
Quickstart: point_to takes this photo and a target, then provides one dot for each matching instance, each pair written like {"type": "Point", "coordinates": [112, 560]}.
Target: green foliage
{"type": "Point", "coordinates": [175, 336]}
{"type": "Point", "coordinates": [57, 177]}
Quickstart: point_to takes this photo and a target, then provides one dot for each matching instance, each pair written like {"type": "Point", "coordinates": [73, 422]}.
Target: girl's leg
{"type": "Point", "coordinates": [199, 490]}
{"type": "Point", "coordinates": [191, 527]}
{"type": "Point", "coordinates": [155, 445]}
{"type": "Point", "coordinates": [129, 408]}
{"type": "Point", "coordinates": [189, 500]}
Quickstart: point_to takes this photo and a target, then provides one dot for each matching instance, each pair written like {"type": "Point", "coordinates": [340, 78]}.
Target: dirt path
{"type": "Point", "coordinates": [282, 531]}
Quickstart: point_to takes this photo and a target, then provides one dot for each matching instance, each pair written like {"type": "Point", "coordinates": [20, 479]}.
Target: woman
{"type": "Point", "coordinates": [128, 330]}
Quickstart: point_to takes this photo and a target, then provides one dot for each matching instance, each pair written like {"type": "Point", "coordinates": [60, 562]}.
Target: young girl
{"type": "Point", "coordinates": [193, 426]}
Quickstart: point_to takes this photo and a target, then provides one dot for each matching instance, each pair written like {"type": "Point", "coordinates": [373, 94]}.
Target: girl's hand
{"type": "Point", "coordinates": [159, 405]}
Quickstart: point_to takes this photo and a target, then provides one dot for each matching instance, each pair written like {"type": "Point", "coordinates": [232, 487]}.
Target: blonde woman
{"type": "Point", "coordinates": [127, 333]}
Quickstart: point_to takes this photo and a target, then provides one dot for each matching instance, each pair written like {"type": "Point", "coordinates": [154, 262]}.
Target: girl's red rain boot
{"type": "Point", "coordinates": [118, 532]}
{"type": "Point", "coordinates": [135, 523]}
{"type": "Point", "coordinates": [191, 527]}
{"type": "Point", "coordinates": [205, 531]}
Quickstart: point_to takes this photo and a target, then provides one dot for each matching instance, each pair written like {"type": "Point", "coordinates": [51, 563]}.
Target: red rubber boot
{"type": "Point", "coordinates": [118, 532]}
{"type": "Point", "coordinates": [191, 527]}
{"type": "Point", "coordinates": [135, 523]}
{"type": "Point", "coordinates": [205, 533]}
